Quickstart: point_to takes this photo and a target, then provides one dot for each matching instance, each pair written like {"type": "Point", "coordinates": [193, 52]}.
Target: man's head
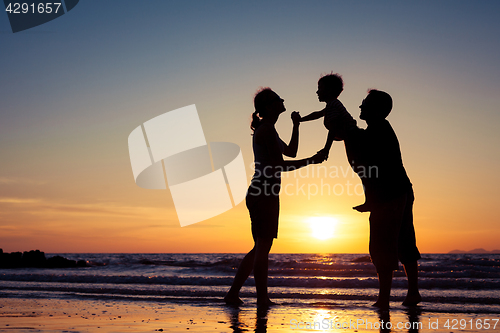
{"type": "Point", "coordinates": [376, 106]}
{"type": "Point", "coordinates": [329, 87]}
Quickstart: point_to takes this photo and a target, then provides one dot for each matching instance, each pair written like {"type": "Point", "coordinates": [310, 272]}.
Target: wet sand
{"type": "Point", "coordinates": [61, 315]}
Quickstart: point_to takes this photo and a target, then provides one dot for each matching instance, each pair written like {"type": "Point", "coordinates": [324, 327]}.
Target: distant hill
{"type": "Point", "coordinates": [476, 251]}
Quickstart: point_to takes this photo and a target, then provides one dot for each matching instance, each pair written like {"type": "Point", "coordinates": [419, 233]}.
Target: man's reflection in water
{"type": "Point", "coordinates": [384, 318]}
{"type": "Point", "coordinates": [414, 313]}
{"type": "Point", "coordinates": [412, 323]}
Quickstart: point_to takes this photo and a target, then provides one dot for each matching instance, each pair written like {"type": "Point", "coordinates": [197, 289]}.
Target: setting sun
{"type": "Point", "coordinates": [322, 227]}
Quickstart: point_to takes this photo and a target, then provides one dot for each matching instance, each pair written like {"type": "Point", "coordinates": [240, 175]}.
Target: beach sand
{"type": "Point", "coordinates": [62, 315]}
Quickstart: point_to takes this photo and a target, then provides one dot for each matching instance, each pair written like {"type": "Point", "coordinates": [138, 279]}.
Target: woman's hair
{"type": "Point", "coordinates": [261, 100]}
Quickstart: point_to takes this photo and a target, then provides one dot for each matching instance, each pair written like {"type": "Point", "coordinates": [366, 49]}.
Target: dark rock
{"type": "Point", "coordinates": [362, 259]}
{"type": "Point", "coordinates": [36, 259]}
{"type": "Point", "coordinates": [11, 260]}
{"type": "Point", "coordinates": [33, 259]}
{"type": "Point", "coordinates": [81, 263]}
{"type": "Point", "coordinates": [60, 262]}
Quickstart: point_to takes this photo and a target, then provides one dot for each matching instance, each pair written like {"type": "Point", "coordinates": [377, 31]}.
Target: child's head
{"type": "Point", "coordinates": [376, 106]}
{"type": "Point", "coordinates": [329, 87]}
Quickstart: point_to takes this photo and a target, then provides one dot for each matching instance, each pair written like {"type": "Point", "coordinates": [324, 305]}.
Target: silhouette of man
{"type": "Point", "coordinates": [374, 154]}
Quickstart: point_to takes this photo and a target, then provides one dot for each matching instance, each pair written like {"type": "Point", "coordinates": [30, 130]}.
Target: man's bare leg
{"type": "Point", "coordinates": [384, 294]}
{"type": "Point", "coordinates": [413, 296]}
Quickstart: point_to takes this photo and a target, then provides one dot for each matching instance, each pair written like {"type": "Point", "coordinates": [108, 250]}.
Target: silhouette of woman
{"type": "Point", "coordinates": [263, 194]}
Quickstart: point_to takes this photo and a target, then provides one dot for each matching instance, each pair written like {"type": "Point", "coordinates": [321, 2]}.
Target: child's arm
{"type": "Point", "coordinates": [313, 116]}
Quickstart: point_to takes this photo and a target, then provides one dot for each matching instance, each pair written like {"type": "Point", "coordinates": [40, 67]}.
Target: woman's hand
{"type": "Point", "coordinates": [324, 152]}
{"type": "Point", "coordinates": [317, 158]}
{"type": "Point", "coordinates": [296, 118]}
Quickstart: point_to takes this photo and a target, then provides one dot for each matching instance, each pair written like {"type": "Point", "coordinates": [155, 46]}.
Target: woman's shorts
{"type": "Point", "coordinates": [263, 204]}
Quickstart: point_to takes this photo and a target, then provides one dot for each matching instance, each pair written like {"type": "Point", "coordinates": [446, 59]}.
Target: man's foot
{"type": "Point", "coordinates": [412, 299]}
{"type": "Point", "coordinates": [232, 300]}
{"type": "Point", "coordinates": [381, 304]}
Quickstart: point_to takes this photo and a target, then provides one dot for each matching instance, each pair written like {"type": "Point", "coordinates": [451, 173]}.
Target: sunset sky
{"type": "Point", "coordinates": [73, 89]}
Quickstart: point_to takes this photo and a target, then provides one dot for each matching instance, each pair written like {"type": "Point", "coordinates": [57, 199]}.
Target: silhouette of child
{"type": "Point", "coordinates": [336, 119]}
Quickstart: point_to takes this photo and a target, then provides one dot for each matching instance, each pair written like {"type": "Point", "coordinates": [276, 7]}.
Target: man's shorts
{"type": "Point", "coordinates": [392, 234]}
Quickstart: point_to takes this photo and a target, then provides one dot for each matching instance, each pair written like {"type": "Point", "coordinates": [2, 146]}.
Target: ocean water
{"type": "Point", "coordinates": [448, 282]}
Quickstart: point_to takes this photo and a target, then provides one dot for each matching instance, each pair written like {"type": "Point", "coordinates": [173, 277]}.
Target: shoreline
{"type": "Point", "coordinates": [74, 315]}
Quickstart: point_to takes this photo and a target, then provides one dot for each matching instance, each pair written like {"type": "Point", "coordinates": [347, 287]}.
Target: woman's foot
{"type": "Point", "coordinates": [265, 303]}
{"type": "Point", "coordinates": [232, 300]}
{"type": "Point", "coordinates": [412, 299]}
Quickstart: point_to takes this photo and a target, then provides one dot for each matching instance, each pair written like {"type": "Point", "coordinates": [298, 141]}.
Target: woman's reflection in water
{"type": "Point", "coordinates": [237, 319]}
{"type": "Point", "coordinates": [261, 324]}
{"type": "Point", "coordinates": [234, 317]}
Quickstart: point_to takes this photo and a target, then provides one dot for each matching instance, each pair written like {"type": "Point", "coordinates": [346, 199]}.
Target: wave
{"type": "Point", "coordinates": [489, 303]}
{"type": "Point", "coordinates": [308, 278]}
{"type": "Point", "coordinates": [274, 281]}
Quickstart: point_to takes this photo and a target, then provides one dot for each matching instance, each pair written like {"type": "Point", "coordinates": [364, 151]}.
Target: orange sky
{"type": "Point", "coordinates": [70, 98]}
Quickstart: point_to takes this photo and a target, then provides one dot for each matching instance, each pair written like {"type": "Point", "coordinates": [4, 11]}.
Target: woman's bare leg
{"type": "Point", "coordinates": [242, 274]}
{"type": "Point", "coordinates": [261, 264]}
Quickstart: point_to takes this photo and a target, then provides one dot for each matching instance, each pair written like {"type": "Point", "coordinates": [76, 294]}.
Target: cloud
{"type": "Point", "coordinates": [42, 207]}
{"type": "Point", "coordinates": [17, 180]}
{"type": "Point", "coordinates": [18, 201]}
{"type": "Point", "coordinates": [108, 210]}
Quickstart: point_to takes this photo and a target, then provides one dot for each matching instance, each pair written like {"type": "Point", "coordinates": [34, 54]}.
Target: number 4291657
{"type": "Point", "coordinates": [478, 324]}
{"type": "Point", "coordinates": [41, 8]}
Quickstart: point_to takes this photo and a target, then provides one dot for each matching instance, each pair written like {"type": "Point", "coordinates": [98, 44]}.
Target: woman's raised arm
{"type": "Point", "coordinates": [269, 136]}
